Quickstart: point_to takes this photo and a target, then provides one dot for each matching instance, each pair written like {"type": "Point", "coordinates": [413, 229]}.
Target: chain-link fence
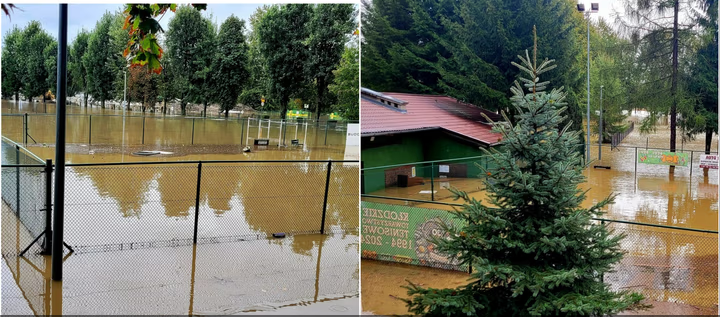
{"type": "Point", "coordinates": [663, 263]}
{"type": "Point", "coordinates": [24, 197]}
{"type": "Point", "coordinates": [166, 131]}
{"type": "Point", "coordinates": [269, 233]}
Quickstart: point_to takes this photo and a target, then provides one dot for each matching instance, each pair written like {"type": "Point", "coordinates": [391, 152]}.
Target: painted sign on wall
{"type": "Point", "coordinates": [709, 161]}
{"type": "Point", "coordinates": [400, 233]}
{"type": "Point", "coordinates": [658, 157]}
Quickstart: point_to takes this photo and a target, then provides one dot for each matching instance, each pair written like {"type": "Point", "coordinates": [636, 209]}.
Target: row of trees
{"type": "Point", "coordinates": [464, 49]}
{"type": "Point", "coordinates": [289, 56]}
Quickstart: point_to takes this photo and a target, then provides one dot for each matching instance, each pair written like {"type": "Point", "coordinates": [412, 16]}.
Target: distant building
{"type": "Point", "coordinates": [399, 128]}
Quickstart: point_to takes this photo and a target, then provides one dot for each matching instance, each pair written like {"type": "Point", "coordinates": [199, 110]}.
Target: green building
{"type": "Point", "coordinates": [398, 129]}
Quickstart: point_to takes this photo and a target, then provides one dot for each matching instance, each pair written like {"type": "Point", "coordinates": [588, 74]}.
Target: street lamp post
{"type": "Point", "coordinates": [594, 7]}
{"type": "Point", "coordinates": [600, 138]}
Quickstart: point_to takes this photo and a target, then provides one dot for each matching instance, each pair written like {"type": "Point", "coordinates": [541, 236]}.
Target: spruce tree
{"type": "Point", "coordinates": [533, 249]}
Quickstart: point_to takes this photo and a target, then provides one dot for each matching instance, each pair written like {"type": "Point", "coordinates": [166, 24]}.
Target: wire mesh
{"type": "Point", "coordinates": [23, 198]}
{"type": "Point", "coordinates": [664, 264]}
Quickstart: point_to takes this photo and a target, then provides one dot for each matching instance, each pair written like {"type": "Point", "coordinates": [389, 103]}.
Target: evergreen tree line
{"type": "Point", "coordinates": [464, 49]}
{"type": "Point", "coordinates": [287, 55]}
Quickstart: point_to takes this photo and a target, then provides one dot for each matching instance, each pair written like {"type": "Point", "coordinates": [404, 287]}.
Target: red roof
{"type": "Point", "coordinates": [423, 112]}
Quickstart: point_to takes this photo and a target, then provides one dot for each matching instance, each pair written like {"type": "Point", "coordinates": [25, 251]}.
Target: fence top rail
{"type": "Point", "coordinates": [161, 116]}
{"type": "Point", "coordinates": [197, 162]}
{"type": "Point", "coordinates": [18, 146]}
{"type": "Point", "coordinates": [21, 165]}
{"type": "Point", "coordinates": [427, 162]}
{"type": "Point", "coordinates": [596, 219]}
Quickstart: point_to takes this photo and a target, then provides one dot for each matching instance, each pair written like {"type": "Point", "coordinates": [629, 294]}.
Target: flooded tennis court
{"type": "Point", "coordinates": [132, 226]}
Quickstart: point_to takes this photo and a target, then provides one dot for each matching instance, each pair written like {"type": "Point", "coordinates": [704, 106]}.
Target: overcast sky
{"type": "Point", "coordinates": [86, 15]}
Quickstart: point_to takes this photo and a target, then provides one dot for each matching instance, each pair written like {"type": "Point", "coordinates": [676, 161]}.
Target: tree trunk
{"type": "Point", "coordinates": [164, 105]}
{"type": "Point", "coordinates": [102, 104]}
{"type": "Point", "coordinates": [227, 113]}
{"type": "Point", "coordinates": [183, 105]}
{"type": "Point", "coordinates": [708, 144]}
{"type": "Point", "coordinates": [205, 108]}
{"type": "Point", "coordinates": [673, 88]}
{"type": "Point", "coordinates": [319, 100]}
{"type": "Point", "coordinates": [85, 97]}
{"type": "Point", "coordinates": [17, 97]}
{"type": "Point", "coordinates": [43, 100]}
{"type": "Point", "coordinates": [283, 108]}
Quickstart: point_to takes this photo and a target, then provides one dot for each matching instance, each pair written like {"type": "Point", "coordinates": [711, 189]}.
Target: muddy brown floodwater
{"type": "Point", "coordinates": [132, 226]}
{"type": "Point", "coordinates": [669, 267]}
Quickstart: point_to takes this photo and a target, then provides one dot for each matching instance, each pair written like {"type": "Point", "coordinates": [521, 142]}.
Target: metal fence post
{"type": "Point", "coordinates": [25, 128]}
{"type": "Point", "coordinates": [17, 181]}
{"type": "Point", "coordinates": [691, 166]}
{"type": "Point", "coordinates": [362, 177]}
{"type": "Point", "coordinates": [326, 130]}
{"type": "Point", "coordinates": [242, 131]}
{"type": "Point", "coordinates": [197, 202]}
{"type": "Point", "coordinates": [143, 132]}
{"type": "Point", "coordinates": [47, 247]}
{"type": "Point", "coordinates": [432, 181]}
{"type": "Point", "coordinates": [90, 131]}
{"type": "Point", "coordinates": [192, 138]}
{"type": "Point", "coordinates": [327, 187]}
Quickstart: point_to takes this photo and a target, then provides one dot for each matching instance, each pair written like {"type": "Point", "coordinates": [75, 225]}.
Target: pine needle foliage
{"type": "Point", "coordinates": [533, 249]}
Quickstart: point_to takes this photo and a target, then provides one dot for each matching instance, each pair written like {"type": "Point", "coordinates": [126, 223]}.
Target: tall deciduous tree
{"type": "Point", "coordinates": [347, 82]}
{"type": "Point", "coordinates": [282, 35]}
{"type": "Point", "coordinates": [230, 64]}
{"type": "Point", "coordinates": [142, 86]}
{"type": "Point", "coordinates": [258, 83]}
{"type": "Point", "coordinates": [187, 37]}
{"type": "Point", "coordinates": [34, 73]}
{"type": "Point", "coordinates": [50, 52]}
{"type": "Point", "coordinates": [99, 61]}
{"type": "Point", "coordinates": [76, 68]}
{"type": "Point", "coordinates": [329, 26]}
{"type": "Point", "coordinates": [12, 66]}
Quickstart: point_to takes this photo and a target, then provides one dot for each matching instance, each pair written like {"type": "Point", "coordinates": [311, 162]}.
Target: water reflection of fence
{"type": "Point", "coordinates": [430, 180]}
{"type": "Point", "coordinates": [663, 263]}
{"type": "Point", "coordinates": [174, 130]}
{"type": "Point", "coordinates": [118, 206]}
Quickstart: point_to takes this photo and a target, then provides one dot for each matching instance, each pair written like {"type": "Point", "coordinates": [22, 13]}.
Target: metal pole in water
{"type": "Point", "coordinates": [327, 187]}
{"type": "Point", "coordinates": [247, 135]}
{"type": "Point", "coordinates": [90, 131]}
{"type": "Point", "coordinates": [280, 133]}
{"type": "Point", "coordinates": [192, 133]}
{"type": "Point", "coordinates": [242, 130]}
{"type": "Point", "coordinates": [197, 202]}
{"type": "Point", "coordinates": [143, 132]}
{"type": "Point", "coordinates": [59, 210]}
{"type": "Point", "coordinates": [326, 128]}
{"type": "Point", "coordinates": [17, 181]}
{"type": "Point", "coordinates": [25, 126]}
{"type": "Point", "coordinates": [259, 127]}
{"type": "Point", "coordinates": [47, 248]}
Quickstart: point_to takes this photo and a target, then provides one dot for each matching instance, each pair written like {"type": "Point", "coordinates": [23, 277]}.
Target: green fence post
{"type": "Point", "coordinates": [90, 131]}
{"type": "Point", "coordinates": [432, 182]}
{"type": "Point", "coordinates": [192, 134]}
